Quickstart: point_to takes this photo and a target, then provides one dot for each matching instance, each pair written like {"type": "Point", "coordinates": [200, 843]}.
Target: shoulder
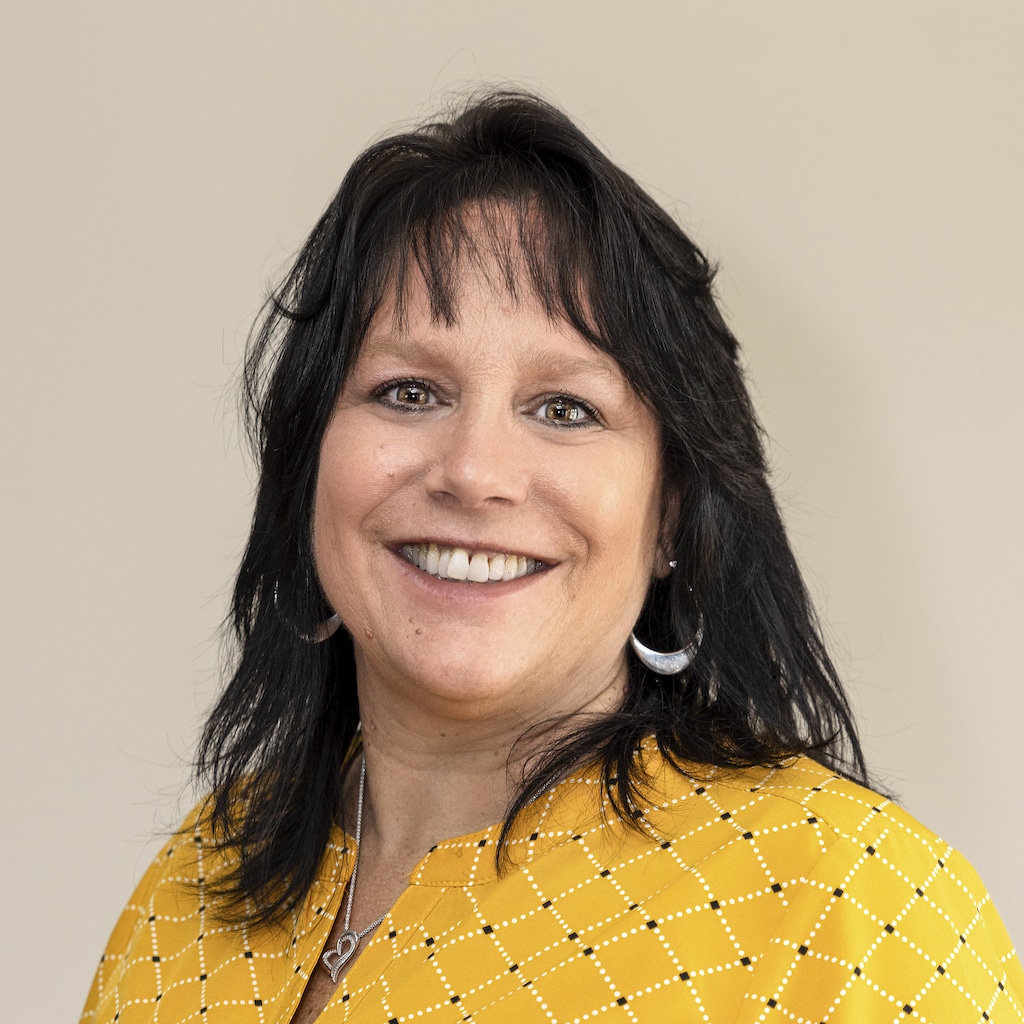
{"type": "Point", "coordinates": [807, 826]}
{"type": "Point", "coordinates": [165, 902]}
{"type": "Point", "coordinates": [853, 909]}
{"type": "Point", "coordinates": [774, 805]}
{"type": "Point", "coordinates": [191, 857]}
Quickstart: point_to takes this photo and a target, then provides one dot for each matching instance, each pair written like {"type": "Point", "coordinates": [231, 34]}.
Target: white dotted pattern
{"type": "Point", "coordinates": [786, 894]}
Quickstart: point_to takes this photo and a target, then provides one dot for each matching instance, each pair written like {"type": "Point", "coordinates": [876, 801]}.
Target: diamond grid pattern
{"type": "Point", "coordinates": [762, 895]}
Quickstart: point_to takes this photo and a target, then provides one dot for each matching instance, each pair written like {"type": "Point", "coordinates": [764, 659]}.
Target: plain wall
{"type": "Point", "coordinates": [856, 170]}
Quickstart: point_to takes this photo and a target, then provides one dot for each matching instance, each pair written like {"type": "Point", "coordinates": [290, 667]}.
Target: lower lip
{"type": "Point", "coordinates": [458, 591]}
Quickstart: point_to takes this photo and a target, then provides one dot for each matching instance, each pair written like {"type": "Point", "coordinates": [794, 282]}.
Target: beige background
{"type": "Point", "coordinates": [857, 169]}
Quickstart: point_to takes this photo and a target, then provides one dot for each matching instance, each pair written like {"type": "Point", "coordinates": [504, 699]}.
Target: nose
{"type": "Point", "coordinates": [481, 459]}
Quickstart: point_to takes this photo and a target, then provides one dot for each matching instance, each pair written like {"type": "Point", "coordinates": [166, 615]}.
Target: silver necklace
{"type": "Point", "coordinates": [348, 941]}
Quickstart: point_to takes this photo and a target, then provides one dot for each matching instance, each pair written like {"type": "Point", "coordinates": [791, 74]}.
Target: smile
{"type": "Point", "coordinates": [469, 566]}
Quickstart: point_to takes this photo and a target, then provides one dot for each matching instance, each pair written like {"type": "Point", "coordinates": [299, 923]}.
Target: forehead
{"type": "Point", "coordinates": [516, 246]}
{"type": "Point", "coordinates": [497, 263]}
{"type": "Point", "coordinates": [489, 315]}
{"type": "Point", "coordinates": [471, 288]}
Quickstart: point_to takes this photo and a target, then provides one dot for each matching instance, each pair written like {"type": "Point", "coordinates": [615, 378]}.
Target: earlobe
{"type": "Point", "coordinates": [665, 560]}
{"type": "Point", "coordinates": [663, 568]}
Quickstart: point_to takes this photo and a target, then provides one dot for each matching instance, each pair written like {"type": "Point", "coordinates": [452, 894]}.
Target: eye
{"type": "Point", "coordinates": [566, 411]}
{"type": "Point", "coordinates": [406, 394]}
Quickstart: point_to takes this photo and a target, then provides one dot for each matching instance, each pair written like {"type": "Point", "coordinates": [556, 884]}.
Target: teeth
{"type": "Point", "coordinates": [474, 567]}
{"type": "Point", "coordinates": [458, 565]}
{"type": "Point", "coordinates": [478, 570]}
{"type": "Point", "coordinates": [432, 559]}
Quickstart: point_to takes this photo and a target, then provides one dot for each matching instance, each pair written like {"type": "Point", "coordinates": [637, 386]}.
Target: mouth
{"type": "Point", "coordinates": [469, 566]}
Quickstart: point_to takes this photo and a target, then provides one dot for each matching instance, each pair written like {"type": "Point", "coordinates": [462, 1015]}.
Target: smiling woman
{"type": "Point", "coordinates": [478, 459]}
{"type": "Point", "coordinates": [531, 718]}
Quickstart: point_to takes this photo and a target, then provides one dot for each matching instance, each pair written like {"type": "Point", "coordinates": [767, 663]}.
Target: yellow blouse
{"type": "Point", "coordinates": [756, 895]}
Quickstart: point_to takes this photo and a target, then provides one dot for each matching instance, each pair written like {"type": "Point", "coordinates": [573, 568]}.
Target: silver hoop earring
{"type": "Point", "coordinates": [669, 663]}
{"type": "Point", "coordinates": [324, 630]}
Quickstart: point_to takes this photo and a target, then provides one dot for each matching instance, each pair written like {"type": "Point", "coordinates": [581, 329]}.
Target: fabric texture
{"type": "Point", "coordinates": [787, 894]}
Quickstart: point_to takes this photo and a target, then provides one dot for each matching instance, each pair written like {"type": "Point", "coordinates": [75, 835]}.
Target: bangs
{"type": "Point", "coordinates": [515, 247]}
{"type": "Point", "coordinates": [527, 231]}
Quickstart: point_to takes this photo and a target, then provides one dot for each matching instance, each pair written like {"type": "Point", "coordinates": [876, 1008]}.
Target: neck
{"type": "Point", "coordinates": [421, 792]}
{"type": "Point", "coordinates": [432, 777]}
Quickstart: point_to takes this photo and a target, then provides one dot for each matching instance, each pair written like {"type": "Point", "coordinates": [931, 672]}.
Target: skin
{"type": "Point", "coordinates": [507, 433]}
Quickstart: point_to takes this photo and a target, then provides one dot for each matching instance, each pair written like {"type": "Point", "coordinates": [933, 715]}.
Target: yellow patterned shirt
{"type": "Point", "coordinates": [785, 895]}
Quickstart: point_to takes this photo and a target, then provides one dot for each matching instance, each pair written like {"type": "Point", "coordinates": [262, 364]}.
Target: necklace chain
{"type": "Point", "coordinates": [348, 942]}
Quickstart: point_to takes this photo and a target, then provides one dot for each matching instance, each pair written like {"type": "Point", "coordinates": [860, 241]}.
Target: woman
{"type": "Point", "coordinates": [531, 718]}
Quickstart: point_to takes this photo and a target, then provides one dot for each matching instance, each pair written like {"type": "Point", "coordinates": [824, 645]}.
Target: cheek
{"type": "Point", "coordinates": [617, 507]}
{"type": "Point", "coordinates": [343, 483]}
{"type": "Point", "coordinates": [629, 504]}
{"type": "Point", "coordinates": [358, 481]}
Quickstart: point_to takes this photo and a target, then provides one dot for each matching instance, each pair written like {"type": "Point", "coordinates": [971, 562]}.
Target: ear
{"type": "Point", "coordinates": [671, 505]}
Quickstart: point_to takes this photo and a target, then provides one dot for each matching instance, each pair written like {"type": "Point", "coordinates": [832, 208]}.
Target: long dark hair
{"type": "Point", "coordinates": [600, 253]}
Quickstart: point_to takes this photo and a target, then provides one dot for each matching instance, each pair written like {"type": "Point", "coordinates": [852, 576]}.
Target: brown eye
{"type": "Point", "coordinates": [561, 411]}
{"type": "Point", "coordinates": [411, 394]}
{"type": "Point", "coordinates": [566, 411]}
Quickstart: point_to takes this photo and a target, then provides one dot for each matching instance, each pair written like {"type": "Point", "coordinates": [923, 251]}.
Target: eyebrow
{"type": "Point", "coordinates": [572, 366]}
{"type": "Point", "coordinates": [416, 348]}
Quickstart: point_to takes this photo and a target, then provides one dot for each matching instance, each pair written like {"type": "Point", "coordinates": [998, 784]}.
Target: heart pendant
{"type": "Point", "coordinates": [335, 959]}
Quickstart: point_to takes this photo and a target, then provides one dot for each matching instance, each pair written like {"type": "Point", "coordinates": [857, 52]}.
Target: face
{"type": "Point", "coordinates": [488, 511]}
